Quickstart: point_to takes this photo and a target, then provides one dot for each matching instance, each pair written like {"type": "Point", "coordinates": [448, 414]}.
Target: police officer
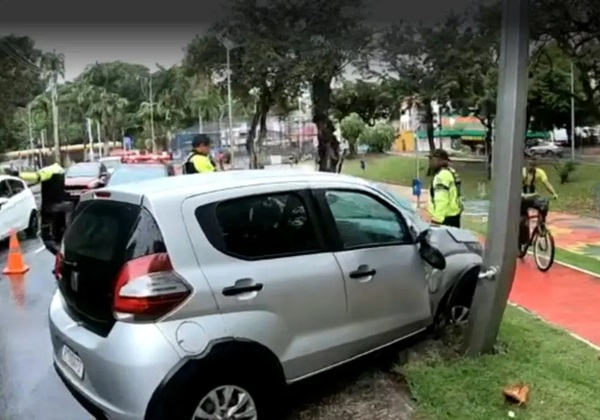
{"type": "Point", "coordinates": [55, 206]}
{"type": "Point", "coordinates": [199, 160]}
{"type": "Point", "coordinates": [445, 200]}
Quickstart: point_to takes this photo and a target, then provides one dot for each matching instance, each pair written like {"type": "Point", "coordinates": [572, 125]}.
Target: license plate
{"type": "Point", "coordinates": [77, 192]}
{"type": "Point", "coordinates": [74, 362]}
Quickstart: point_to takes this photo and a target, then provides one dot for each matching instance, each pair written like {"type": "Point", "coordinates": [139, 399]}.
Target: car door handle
{"type": "Point", "coordinates": [362, 271]}
{"type": "Point", "coordinates": [241, 288]}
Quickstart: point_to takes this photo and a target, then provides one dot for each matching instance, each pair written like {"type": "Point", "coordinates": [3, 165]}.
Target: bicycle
{"type": "Point", "coordinates": [540, 237]}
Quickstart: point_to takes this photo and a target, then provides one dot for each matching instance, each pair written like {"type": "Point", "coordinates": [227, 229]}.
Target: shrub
{"type": "Point", "coordinates": [352, 127]}
{"type": "Point", "coordinates": [565, 170]}
{"type": "Point", "coordinates": [379, 138]}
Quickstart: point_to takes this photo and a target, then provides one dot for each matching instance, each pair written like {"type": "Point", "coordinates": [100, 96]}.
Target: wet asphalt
{"type": "Point", "coordinates": [29, 387]}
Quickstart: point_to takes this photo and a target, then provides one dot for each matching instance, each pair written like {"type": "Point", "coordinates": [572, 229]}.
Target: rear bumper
{"type": "Point", "coordinates": [84, 401]}
{"type": "Point", "coordinates": [120, 371]}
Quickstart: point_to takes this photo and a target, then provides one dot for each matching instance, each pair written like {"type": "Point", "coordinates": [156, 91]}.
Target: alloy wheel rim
{"type": "Point", "coordinates": [459, 314]}
{"type": "Point", "coordinates": [227, 402]}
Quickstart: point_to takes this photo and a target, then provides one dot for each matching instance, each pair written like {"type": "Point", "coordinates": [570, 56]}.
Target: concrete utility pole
{"type": "Point", "coordinates": [54, 98]}
{"type": "Point", "coordinates": [30, 126]}
{"type": "Point", "coordinates": [573, 135]}
{"type": "Point", "coordinates": [493, 288]}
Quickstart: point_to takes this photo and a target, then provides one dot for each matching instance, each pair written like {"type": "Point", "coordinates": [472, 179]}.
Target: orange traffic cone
{"type": "Point", "coordinates": [17, 288]}
{"type": "Point", "coordinates": [15, 264]}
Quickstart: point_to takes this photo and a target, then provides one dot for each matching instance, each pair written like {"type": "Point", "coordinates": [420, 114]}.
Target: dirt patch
{"type": "Point", "coordinates": [369, 390]}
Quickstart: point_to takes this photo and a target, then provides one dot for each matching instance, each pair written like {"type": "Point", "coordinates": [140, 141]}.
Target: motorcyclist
{"type": "Point", "coordinates": [199, 160]}
{"type": "Point", "coordinates": [55, 207]}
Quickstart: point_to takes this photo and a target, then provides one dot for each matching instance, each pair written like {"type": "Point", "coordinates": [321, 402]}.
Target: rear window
{"type": "Point", "coordinates": [110, 230]}
{"type": "Point", "coordinates": [125, 174]}
{"type": "Point", "coordinates": [85, 170]}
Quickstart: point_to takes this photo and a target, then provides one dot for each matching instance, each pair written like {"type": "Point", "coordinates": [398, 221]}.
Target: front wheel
{"type": "Point", "coordinates": [543, 250]}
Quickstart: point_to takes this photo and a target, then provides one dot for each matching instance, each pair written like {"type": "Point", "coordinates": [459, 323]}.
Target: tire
{"type": "Point", "coordinates": [260, 396]}
{"type": "Point", "coordinates": [33, 226]}
{"type": "Point", "coordinates": [523, 243]}
{"type": "Point", "coordinates": [549, 242]}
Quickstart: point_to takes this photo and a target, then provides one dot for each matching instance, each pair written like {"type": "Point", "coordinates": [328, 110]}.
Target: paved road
{"type": "Point", "coordinates": [29, 388]}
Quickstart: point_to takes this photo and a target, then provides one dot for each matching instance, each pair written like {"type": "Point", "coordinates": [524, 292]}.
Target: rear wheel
{"type": "Point", "coordinates": [226, 393]}
{"type": "Point", "coordinates": [543, 250]}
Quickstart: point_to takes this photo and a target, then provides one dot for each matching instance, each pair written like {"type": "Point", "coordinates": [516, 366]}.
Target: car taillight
{"type": "Point", "coordinates": [148, 288]}
{"type": "Point", "coordinates": [57, 265]}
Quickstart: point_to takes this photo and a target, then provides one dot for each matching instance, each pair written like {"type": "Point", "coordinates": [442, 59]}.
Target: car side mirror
{"type": "Point", "coordinates": [3, 201]}
{"type": "Point", "coordinates": [422, 236]}
{"type": "Point", "coordinates": [432, 256]}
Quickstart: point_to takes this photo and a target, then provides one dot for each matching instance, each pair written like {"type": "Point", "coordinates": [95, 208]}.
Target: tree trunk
{"type": "Point", "coordinates": [328, 149]}
{"type": "Point", "coordinates": [252, 135]}
{"type": "Point", "coordinates": [262, 136]}
{"type": "Point", "coordinates": [488, 145]}
{"type": "Point", "coordinates": [430, 133]}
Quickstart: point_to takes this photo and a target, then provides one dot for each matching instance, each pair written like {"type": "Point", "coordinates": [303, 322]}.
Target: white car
{"type": "Point", "coordinates": [18, 210]}
{"type": "Point", "coordinates": [546, 149]}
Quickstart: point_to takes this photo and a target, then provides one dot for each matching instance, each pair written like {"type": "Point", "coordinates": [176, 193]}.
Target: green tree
{"type": "Point", "coordinates": [325, 37]}
{"type": "Point", "coordinates": [352, 127]}
{"type": "Point", "coordinates": [379, 138]}
{"type": "Point", "coordinates": [19, 84]}
{"type": "Point", "coordinates": [371, 100]}
{"type": "Point", "coordinates": [417, 59]}
{"type": "Point", "coordinates": [261, 71]}
{"type": "Point", "coordinates": [574, 26]}
{"type": "Point", "coordinates": [549, 99]}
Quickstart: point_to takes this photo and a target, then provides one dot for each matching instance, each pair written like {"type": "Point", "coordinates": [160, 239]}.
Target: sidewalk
{"type": "Point", "coordinates": [563, 296]}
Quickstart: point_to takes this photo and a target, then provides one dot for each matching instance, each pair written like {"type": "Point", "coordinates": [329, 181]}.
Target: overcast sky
{"type": "Point", "coordinates": [138, 32]}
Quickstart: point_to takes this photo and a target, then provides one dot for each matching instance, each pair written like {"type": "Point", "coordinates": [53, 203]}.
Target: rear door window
{"type": "Point", "coordinates": [16, 186]}
{"type": "Point", "coordinates": [261, 227]}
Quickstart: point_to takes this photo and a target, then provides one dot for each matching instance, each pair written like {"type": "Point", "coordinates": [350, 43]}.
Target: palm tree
{"type": "Point", "coordinates": [52, 65]}
{"type": "Point", "coordinates": [110, 109]}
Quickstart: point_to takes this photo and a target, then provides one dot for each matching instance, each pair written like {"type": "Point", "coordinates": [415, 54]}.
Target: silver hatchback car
{"type": "Point", "coordinates": [201, 296]}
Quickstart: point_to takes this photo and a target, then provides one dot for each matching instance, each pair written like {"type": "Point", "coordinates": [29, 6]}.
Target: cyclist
{"type": "Point", "coordinates": [532, 176]}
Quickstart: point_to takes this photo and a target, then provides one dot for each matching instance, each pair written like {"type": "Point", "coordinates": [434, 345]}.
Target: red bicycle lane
{"type": "Point", "coordinates": [562, 296]}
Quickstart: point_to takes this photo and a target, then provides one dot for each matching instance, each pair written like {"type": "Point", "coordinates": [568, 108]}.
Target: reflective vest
{"type": "Point", "coordinates": [445, 195]}
{"type": "Point", "coordinates": [190, 168]}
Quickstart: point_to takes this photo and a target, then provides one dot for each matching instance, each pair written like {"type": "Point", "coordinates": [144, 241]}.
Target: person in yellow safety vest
{"type": "Point", "coordinates": [199, 160]}
{"type": "Point", "coordinates": [54, 207]}
{"type": "Point", "coordinates": [445, 200]}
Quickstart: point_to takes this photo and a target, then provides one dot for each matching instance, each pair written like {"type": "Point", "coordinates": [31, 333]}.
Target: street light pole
{"type": "Point", "coordinates": [500, 257]}
{"type": "Point", "coordinates": [573, 135]}
{"type": "Point", "coordinates": [229, 99]}
{"type": "Point", "coordinates": [30, 125]}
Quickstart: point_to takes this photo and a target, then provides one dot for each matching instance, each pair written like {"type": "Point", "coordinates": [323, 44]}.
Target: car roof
{"type": "Point", "coordinates": [141, 165]}
{"type": "Point", "coordinates": [220, 180]}
{"type": "Point", "coordinates": [9, 178]}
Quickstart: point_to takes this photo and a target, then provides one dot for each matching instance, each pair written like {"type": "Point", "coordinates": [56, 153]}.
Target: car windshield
{"type": "Point", "coordinates": [83, 170]}
{"type": "Point", "coordinates": [125, 174]}
{"type": "Point", "coordinates": [403, 202]}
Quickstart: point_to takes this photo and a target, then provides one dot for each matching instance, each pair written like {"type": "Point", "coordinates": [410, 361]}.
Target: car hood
{"type": "Point", "coordinates": [80, 180]}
